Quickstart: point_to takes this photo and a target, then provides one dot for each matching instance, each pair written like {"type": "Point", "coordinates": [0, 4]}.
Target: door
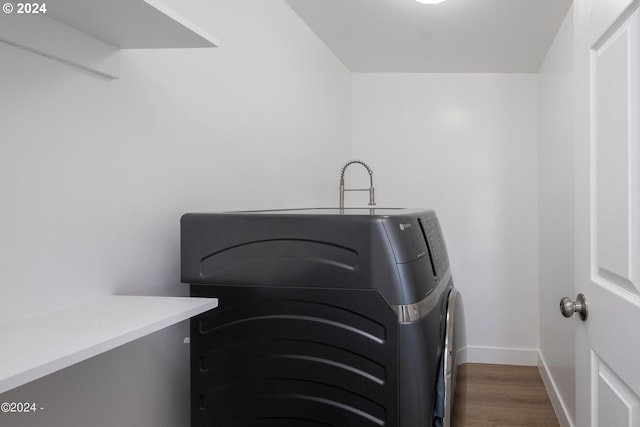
{"type": "Point", "coordinates": [607, 64]}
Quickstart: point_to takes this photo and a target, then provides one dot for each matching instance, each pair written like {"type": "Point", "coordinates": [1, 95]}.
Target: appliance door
{"type": "Point", "coordinates": [452, 343]}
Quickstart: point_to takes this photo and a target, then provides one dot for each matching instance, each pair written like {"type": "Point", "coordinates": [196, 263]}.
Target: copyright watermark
{"type": "Point", "coordinates": [19, 407]}
{"type": "Point", "coordinates": [34, 8]}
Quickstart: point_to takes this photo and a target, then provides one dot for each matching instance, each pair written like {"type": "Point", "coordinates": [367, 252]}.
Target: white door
{"type": "Point", "coordinates": [607, 65]}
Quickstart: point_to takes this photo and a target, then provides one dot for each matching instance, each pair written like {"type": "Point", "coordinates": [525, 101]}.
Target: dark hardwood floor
{"type": "Point", "coordinates": [501, 395]}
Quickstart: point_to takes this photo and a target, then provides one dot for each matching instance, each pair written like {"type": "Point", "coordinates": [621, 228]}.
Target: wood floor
{"type": "Point", "coordinates": [501, 395]}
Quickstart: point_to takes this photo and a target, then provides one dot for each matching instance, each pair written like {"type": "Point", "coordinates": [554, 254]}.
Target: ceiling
{"type": "Point", "coordinates": [457, 36]}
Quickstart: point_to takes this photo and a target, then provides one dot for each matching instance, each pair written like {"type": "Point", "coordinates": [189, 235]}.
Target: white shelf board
{"type": "Point", "coordinates": [38, 346]}
{"type": "Point", "coordinates": [131, 24]}
{"type": "Point", "coordinates": [88, 33]}
{"type": "Point", "coordinates": [44, 36]}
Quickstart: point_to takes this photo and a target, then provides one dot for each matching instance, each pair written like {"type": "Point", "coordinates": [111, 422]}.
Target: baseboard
{"type": "Point", "coordinates": [498, 355]}
{"type": "Point", "coordinates": [556, 400]}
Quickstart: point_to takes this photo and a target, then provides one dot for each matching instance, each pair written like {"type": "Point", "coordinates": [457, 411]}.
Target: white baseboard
{"type": "Point", "coordinates": [556, 400]}
{"type": "Point", "coordinates": [498, 355]}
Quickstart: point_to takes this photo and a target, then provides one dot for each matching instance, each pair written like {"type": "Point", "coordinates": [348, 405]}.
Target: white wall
{"type": "Point", "coordinates": [95, 174]}
{"type": "Point", "coordinates": [466, 146]}
{"type": "Point", "coordinates": [556, 218]}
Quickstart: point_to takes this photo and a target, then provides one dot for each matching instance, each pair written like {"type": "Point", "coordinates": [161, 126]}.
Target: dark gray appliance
{"type": "Point", "coordinates": [326, 317]}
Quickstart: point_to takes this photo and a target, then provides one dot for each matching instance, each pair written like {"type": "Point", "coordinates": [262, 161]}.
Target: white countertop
{"type": "Point", "coordinates": [37, 346]}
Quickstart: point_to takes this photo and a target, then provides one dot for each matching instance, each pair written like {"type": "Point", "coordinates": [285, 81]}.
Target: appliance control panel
{"type": "Point", "coordinates": [433, 234]}
{"type": "Point", "coordinates": [405, 238]}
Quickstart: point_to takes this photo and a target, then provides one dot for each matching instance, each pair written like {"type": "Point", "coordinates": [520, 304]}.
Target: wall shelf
{"type": "Point", "coordinates": [41, 345]}
{"type": "Point", "coordinates": [87, 33]}
{"type": "Point", "coordinates": [131, 24]}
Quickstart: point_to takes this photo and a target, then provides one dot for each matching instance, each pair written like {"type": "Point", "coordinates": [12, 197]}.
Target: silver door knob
{"type": "Point", "coordinates": [568, 307]}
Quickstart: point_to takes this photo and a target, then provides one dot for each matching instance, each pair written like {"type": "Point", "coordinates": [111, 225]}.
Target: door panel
{"type": "Point", "coordinates": [614, 339]}
{"type": "Point", "coordinates": [602, 14]}
{"type": "Point", "coordinates": [617, 404]}
{"type": "Point", "coordinates": [616, 193]}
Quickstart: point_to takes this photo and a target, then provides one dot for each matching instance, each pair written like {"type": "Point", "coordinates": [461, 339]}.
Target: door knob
{"type": "Point", "coordinates": [568, 307]}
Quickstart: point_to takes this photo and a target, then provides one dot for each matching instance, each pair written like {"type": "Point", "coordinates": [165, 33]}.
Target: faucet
{"type": "Point", "coordinates": [372, 198]}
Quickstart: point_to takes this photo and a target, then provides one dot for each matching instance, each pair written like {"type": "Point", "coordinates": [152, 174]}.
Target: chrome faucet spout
{"type": "Point", "coordinates": [371, 190]}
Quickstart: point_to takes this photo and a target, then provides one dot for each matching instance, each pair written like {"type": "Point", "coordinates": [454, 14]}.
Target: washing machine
{"type": "Point", "coordinates": [326, 317]}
